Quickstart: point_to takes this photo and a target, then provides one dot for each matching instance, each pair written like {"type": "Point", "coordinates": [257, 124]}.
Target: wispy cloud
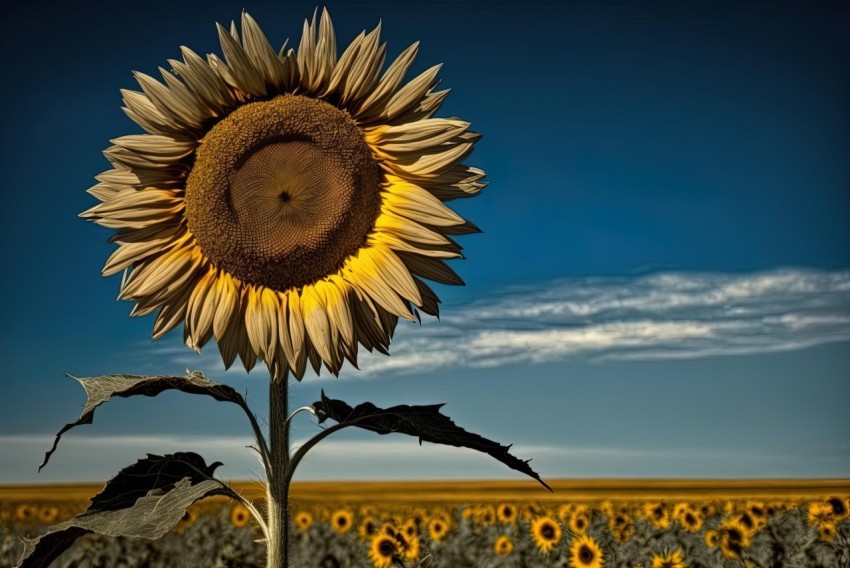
{"type": "Point", "coordinates": [655, 317]}
{"type": "Point", "coordinates": [94, 458]}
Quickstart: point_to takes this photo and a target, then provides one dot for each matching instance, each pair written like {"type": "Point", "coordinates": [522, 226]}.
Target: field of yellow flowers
{"type": "Point", "coordinates": [613, 524]}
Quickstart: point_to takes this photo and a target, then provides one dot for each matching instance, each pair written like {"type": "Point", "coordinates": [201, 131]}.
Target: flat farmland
{"type": "Point", "coordinates": [584, 523]}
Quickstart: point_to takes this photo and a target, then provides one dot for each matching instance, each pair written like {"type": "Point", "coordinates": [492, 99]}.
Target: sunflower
{"type": "Point", "coordinates": [506, 513]}
{"type": "Point", "coordinates": [564, 511]}
{"type": "Point", "coordinates": [410, 529]}
{"type": "Point", "coordinates": [819, 513]}
{"type": "Point", "coordinates": [690, 519]}
{"type": "Point", "coordinates": [757, 510]}
{"type": "Point", "coordinates": [408, 545]}
{"type": "Point", "coordinates": [545, 532]}
{"type": "Point", "coordinates": [579, 520]}
{"type": "Point", "coordinates": [707, 509]}
{"type": "Point", "coordinates": [733, 538]}
{"type": "Point", "coordinates": [383, 551]}
{"type": "Point", "coordinates": [48, 514]}
{"type": "Point", "coordinates": [668, 559]}
{"type": "Point", "coordinates": [367, 528]}
{"type": "Point", "coordinates": [287, 204]}
{"type": "Point", "coordinates": [658, 514]}
{"type": "Point", "coordinates": [585, 553]}
{"type": "Point", "coordinates": [437, 529]}
{"type": "Point", "coordinates": [342, 520]}
{"type": "Point", "coordinates": [839, 507]}
{"type": "Point", "coordinates": [826, 532]}
{"type": "Point", "coordinates": [620, 524]}
{"type": "Point", "coordinates": [711, 538]}
{"type": "Point", "coordinates": [503, 545]}
{"type": "Point", "coordinates": [303, 520]}
{"type": "Point", "coordinates": [239, 516]}
{"type": "Point", "coordinates": [25, 513]}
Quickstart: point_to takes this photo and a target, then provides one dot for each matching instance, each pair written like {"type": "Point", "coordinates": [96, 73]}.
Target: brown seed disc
{"type": "Point", "coordinates": [282, 192]}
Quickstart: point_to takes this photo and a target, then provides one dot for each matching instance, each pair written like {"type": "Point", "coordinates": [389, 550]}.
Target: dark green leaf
{"type": "Point", "coordinates": [424, 422]}
{"type": "Point", "coordinates": [101, 389]}
{"type": "Point", "coordinates": [146, 499]}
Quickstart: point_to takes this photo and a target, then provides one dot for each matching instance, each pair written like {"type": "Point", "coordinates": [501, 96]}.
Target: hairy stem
{"type": "Point", "coordinates": [278, 480]}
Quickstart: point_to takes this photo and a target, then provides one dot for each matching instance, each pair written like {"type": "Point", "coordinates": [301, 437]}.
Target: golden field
{"type": "Point", "coordinates": [585, 523]}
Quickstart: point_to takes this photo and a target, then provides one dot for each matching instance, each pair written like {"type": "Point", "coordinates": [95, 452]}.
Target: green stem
{"type": "Point", "coordinates": [302, 451]}
{"type": "Point", "coordinates": [278, 480]}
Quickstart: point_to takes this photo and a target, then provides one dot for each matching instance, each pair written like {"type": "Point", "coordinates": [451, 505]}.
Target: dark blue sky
{"type": "Point", "coordinates": [622, 140]}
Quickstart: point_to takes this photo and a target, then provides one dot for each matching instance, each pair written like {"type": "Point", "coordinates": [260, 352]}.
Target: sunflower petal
{"type": "Point", "coordinates": [167, 102]}
{"type": "Point", "coordinates": [411, 201]}
{"type": "Point", "coordinates": [241, 68]}
{"type": "Point", "coordinates": [430, 268]}
{"type": "Point", "coordinates": [412, 93]}
{"type": "Point", "coordinates": [259, 49]}
{"type": "Point", "coordinates": [316, 322]}
{"type": "Point", "coordinates": [363, 271]}
{"type": "Point", "coordinates": [372, 104]}
{"type": "Point", "coordinates": [227, 298]}
{"type": "Point", "coordinates": [261, 321]}
{"type": "Point", "coordinates": [200, 312]}
{"type": "Point", "coordinates": [172, 313]}
{"type": "Point", "coordinates": [408, 229]}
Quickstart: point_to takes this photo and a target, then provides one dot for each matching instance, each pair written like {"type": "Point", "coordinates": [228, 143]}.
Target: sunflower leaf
{"type": "Point", "coordinates": [424, 422]}
{"type": "Point", "coordinates": [146, 499]}
{"type": "Point", "coordinates": [101, 389]}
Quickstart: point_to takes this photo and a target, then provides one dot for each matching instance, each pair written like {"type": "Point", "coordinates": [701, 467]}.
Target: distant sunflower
{"type": "Point", "coordinates": [383, 551]}
{"type": "Point", "coordinates": [707, 509]}
{"type": "Point", "coordinates": [711, 538]}
{"type": "Point", "coordinates": [506, 513]}
{"type": "Point", "coordinates": [658, 514]}
{"type": "Point", "coordinates": [757, 510]}
{"type": "Point", "coordinates": [485, 515]}
{"type": "Point", "coordinates": [503, 545]}
{"type": "Point", "coordinates": [410, 529]}
{"type": "Point", "coordinates": [840, 508]}
{"type": "Point", "coordinates": [239, 516]}
{"type": "Point", "coordinates": [287, 204]}
{"type": "Point", "coordinates": [342, 521]}
{"type": "Point", "coordinates": [826, 532]}
{"type": "Point", "coordinates": [819, 513]}
{"type": "Point", "coordinates": [579, 520]}
{"type": "Point", "coordinates": [620, 524]}
{"type": "Point", "coordinates": [669, 559]}
{"type": "Point", "coordinates": [408, 545]}
{"type": "Point", "coordinates": [564, 511]}
{"type": "Point", "coordinates": [585, 553]}
{"type": "Point", "coordinates": [25, 513]}
{"type": "Point", "coordinates": [545, 532]}
{"type": "Point", "coordinates": [367, 528]}
{"type": "Point", "coordinates": [690, 519]}
{"type": "Point", "coordinates": [48, 514]}
{"type": "Point", "coordinates": [734, 538]}
{"type": "Point", "coordinates": [437, 529]}
{"type": "Point", "coordinates": [303, 520]}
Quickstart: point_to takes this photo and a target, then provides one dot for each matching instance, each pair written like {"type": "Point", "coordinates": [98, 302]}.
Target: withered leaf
{"type": "Point", "coordinates": [146, 499]}
{"type": "Point", "coordinates": [101, 389]}
{"type": "Point", "coordinates": [425, 422]}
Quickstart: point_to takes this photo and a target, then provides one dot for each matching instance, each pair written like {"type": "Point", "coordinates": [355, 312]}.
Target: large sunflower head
{"type": "Point", "coordinates": [288, 204]}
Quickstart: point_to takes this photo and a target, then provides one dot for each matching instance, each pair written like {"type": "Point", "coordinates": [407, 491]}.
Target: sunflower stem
{"type": "Point", "coordinates": [278, 481]}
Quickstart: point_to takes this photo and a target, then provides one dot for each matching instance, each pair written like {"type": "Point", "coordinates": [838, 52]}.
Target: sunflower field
{"type": "Point", "coordinates": [582, 533]}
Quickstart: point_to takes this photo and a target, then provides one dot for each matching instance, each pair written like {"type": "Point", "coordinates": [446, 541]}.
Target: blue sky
{"type": "Point", "coordinates": [662, 287]}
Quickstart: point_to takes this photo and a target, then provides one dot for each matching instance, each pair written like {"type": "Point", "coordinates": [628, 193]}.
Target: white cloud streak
{"type": "Point", "coordinates": [94, 458]}
{"type": "Point", "coordinates": [655, 317]}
